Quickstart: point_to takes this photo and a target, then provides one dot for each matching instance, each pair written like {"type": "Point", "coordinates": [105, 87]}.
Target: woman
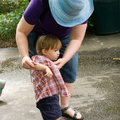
{"type": "Point", "coordinates": [67, 20]}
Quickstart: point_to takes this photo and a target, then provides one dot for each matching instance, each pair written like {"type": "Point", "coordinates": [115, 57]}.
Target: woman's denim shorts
{"type": "Point", "coordinates": [69, 70]}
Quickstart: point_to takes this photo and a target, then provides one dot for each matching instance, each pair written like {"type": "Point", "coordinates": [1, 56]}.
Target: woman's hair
{"type": "Point", "coordinates": [47, 42]}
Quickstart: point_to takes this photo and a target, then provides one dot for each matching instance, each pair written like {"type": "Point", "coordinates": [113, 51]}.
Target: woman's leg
{"type": "Point", "coordinates": [68, 72]}
{"type": "Point", "coordinates": [65, 101]}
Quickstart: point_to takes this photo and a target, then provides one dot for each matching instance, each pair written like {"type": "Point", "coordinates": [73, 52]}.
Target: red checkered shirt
{"type": "Point", "coordinates": [44, 86]}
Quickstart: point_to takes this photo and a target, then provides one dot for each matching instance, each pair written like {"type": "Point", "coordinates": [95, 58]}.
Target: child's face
{"type": "Point", "coordinates": [52, 54]}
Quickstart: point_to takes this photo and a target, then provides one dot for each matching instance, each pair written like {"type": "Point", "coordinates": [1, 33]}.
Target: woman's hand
{"type": "Point", "coordinates": [60, 63]}
{"type": "Point", "coordinates": [27, 63]}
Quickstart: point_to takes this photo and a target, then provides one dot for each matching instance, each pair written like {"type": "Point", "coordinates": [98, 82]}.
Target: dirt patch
{"type": "Point", "coordinates": [7, 43]}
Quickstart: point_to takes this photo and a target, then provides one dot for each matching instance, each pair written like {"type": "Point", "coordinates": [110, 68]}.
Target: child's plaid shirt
{"type": "Point", "coordinates": [44, 86]}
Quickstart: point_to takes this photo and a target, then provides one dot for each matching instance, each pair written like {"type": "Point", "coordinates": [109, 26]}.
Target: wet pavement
{"type": "Point", "coordinates": [96, 92]}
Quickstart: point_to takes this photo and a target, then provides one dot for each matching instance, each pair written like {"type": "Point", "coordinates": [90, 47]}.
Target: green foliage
{"type": "Point", "coordinates": [7, 6]}
{"type": "Point", "coordinates": [91, 27]}
{"type": "Point", "coordinates": [91, 22]}
{"type": "Point", "coordinates": [10, 14]}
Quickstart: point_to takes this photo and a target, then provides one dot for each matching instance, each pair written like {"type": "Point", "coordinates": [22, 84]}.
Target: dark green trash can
{"type": "Point", "coordinates": [107, 16]}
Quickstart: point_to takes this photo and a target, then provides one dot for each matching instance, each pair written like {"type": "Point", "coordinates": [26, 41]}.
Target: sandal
{"type": "Point", "coordinates": [68, 116]}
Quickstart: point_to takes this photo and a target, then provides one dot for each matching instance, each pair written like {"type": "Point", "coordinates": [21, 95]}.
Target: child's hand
{"type": "Point", "coordinates": [48, 72]}
{"type": "Point", "coordinates": [46, 69]}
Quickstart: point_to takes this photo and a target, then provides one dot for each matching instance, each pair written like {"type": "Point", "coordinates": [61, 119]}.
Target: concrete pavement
{"type": "Point", "coordinates": [96, 92]}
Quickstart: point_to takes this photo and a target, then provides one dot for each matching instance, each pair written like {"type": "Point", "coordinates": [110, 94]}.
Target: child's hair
{"type": "Point", "coordinates": [47, 42]}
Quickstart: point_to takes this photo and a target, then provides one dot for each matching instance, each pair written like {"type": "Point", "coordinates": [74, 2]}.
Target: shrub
{"type": "Point", "coordinates": [7, 6]}
{"type": "Point", "coordinates": [10, 18]}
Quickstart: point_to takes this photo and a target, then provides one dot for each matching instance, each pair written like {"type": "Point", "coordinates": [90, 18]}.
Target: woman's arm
{"type": "Point", "coordinates": [76, 37]}
{"type": "Point", "coordinates": [23, 29]}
